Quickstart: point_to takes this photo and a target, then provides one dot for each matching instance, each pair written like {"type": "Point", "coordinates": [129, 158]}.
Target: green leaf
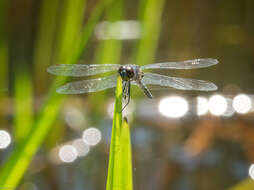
{"type": "Point", "coordinates": [120, 164]}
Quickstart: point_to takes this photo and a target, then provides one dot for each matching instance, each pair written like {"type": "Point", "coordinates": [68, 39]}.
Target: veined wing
{"type": "Point", "coordinates": [188, 64]}
{"type": "Point", "coordinates": [178, 83]}
{"type": "Point", "coordinates": [91, 85]}
{"type": "Point", "coordinates": [79, 70]}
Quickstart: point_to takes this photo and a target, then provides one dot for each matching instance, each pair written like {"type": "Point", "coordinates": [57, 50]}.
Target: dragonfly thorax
{"type": "Point", "coordinates": [129, 72]}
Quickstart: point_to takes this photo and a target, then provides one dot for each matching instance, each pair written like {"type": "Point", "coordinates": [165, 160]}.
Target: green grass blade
{"type": "Point", "coordinates": [3, 50]}
{"type": "Point", "coordinates": [23, 99]}
{"type": "Point", "coordinates": [15, 167]}
{"type": "Point", "coordinates": [151, 23]}
{"type": "Point", "coordinates": [89, 29]}
{"type": "Point", "coordinates": [120, 165]}
{"type": "Point", "coordinates": [115, 137]}
{"type": "Point", "coordinates": [244, 185]}
{"type": "Point", "coordinates": [69, 29]}
{"type": "Point", "coordinates": [126, 158]}
{"type": "Point", "coordinates": [108, 51]}
{"type": "Point", "coordinates": [3, 67]}
{"type": "Point", "coordinates": [150, 12]}
{"type": "Point", "coordinates": [22, 155]}
{"type": "Point", "coordinates": [44, 45]}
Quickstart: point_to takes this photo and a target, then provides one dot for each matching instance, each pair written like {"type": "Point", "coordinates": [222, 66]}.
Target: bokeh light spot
{"type": "Point", "coordinates": [242, 103]}
{"type": "Point", "coordinates": [74, 118]}
{"type": "Point", "coordinates": [251, 171]}
{"type": "Point", "coordinates": [202, 106]}
{"type": "Point", "coordinates": [110, 109]}
{"type": "Point", "coordinates": [5, 139]}
{"type": "Point", "coordinates": [81, 147]}
{"type": "Point", "coordinates": [217, 105]}
{"type": "Point", "coordinates": [91, 136]}
{"type": "Point", "coordinates": [174, 106]}
{"type": "Point", "coordinates": [68, 153]}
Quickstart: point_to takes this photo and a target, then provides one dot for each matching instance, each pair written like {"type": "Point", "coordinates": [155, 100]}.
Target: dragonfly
{"type": "Point", "coordinates": [131, 75]}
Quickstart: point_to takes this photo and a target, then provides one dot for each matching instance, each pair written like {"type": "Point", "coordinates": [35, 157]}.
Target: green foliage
{"type": "Point", "coordinates": [3, 49]}
{"type": "Point", "coordinates": [15, 167]}
{"type": "Point", "coordinates": [60, 38]}
{"type": "Point", "coordinates": [151, 23]}
{"type": "Point", "coordinates": [18, 162]}
{"type": "Point", "coordinates": [3, 66]}
{"type": "Point", "coordinates": [23, 99]}
{"type": "Point", "coordinates": [108, 51]}
{"type": "Point", "coordinates": [70, 44]}
{"type": "Point", "coordinates": [120, 164]}
{"type": "Point", "coordinates": [44, 45]}
{"type": "Point", "coordinates": [244, 185]}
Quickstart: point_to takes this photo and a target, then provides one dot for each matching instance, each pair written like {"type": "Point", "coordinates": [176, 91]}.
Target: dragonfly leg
{"type": "Point", "coordinates": [145, 90]}
{"type": "Point", "coordinates": [124, 89]}
{"type": "Point", "coordinates": [127, 94]}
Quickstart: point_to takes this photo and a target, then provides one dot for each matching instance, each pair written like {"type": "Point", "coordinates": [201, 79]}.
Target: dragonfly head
{"type": "Point", "coordinates": [126, 72]}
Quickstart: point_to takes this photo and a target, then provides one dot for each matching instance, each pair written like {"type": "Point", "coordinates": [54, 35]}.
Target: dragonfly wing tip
{"type": "Point", "coordinates": [62, 90]}
{"type": "Point", "coordinates": [212, 87]}
{"type": "Point", "coordinates": [49, 70]}
{"type": "Point", "coordinates": [213, 61]}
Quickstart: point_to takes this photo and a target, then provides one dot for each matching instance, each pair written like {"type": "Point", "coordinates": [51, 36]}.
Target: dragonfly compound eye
{"type": "Point", "coordinates": [123, 73]}
{"type": "Point", "coordinates": [130, 73]}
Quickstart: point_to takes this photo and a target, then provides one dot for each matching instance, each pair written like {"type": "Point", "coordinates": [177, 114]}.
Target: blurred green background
{"type": "Point", "coordinates": [194, 152]}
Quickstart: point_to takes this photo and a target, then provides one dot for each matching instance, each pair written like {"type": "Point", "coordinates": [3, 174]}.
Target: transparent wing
{"type": "Point", "coordinates": [85, 86]}
{"type": "Point", "coordinates": [178, 83]}
{"type": "Point", "coordinates": [78, 70]}
{"type": "Point", "coordinates": [189, 64]}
